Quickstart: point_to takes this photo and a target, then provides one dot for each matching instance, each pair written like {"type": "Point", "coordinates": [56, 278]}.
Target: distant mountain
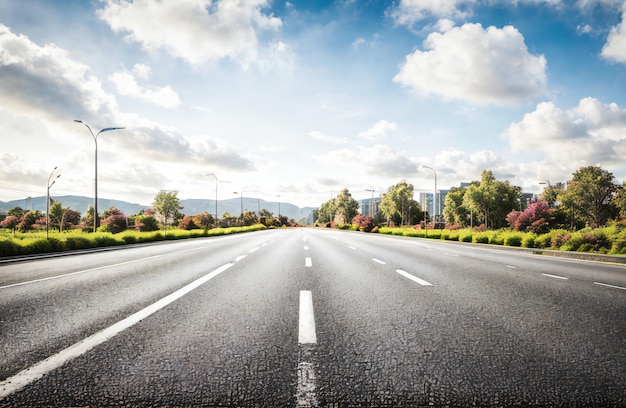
{"type": "Point", "coordinates": [190, 207]}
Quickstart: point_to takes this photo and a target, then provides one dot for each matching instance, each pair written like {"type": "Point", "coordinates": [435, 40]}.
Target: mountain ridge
{"type": "Point", "coordinates": [191, 206]}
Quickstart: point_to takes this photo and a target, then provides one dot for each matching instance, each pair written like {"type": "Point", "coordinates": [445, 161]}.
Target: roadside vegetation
{"type": "Point", "coordinates": [585, 214]}
{"type": "Point", "coordinates": [30, 232]}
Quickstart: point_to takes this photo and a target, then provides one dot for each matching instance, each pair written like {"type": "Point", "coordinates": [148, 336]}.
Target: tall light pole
{"type": "Point", "coordinates": [217, 183]}
{"type": "Point", "coordinates": [96, 218]}
{"type": "Point", "coordinates": [48, 198]}
{"type": "Point", "coordinates": [434, 194]}
{"type": "Point", "coordinates": [278, 195]}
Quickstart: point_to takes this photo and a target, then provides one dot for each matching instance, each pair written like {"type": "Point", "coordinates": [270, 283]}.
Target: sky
{"type": "Point", "coordinates": [293, 101]}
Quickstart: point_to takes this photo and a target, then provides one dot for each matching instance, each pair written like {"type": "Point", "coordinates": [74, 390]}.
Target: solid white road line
{"type": "Point", "coordinates": [610, 286]}
{"type": "Point", "coordinates": [78, 272]}
{"type": "Point", "coordinates": [413, 278]}
{"type": "Point", "coordinates": [239, 258]}
{"type": "Point", "coordinates": [554, 276]}
{"type": "Point", "coordinates": [29, 375]}
{"type": "Point", "coordinates": [351, 247]}
{"type": "Point", "coordinates": [306, 325]}
{"type": "Point", "coordinates": [307, 262]}
{"type": "Point", "coordinates": [511, 266]}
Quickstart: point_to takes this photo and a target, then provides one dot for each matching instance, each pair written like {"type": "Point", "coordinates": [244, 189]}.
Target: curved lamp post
{"type": "Point", "coordinates": [434, 193]}
{"type": "Point", "coordinates": [217, 183]}
{"type": "Point", "coordinates": [96, 218]}
{"type": "Point", "coordinates": [48, 198]}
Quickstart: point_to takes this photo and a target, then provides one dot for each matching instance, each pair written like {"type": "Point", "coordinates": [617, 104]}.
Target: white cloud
{"type": "Point", "coordinates": [408, 12]}
{"type": "Point", "coordinates": [127, 85]}
{"type": "Point", "coordinates": [322, 137]}
{"type": "Point", "coordinates": [379, 130]}
{"type": "Point", "coordinates": [615, 47]}
{"type": "Point", "coordinates": [46, 80]}
{"type": "Point", "coordinates": [378, 160]}
{"type": "Point", "coordinates": [194, 30]}
{"type": "Point", "coordinates": [475, 65]}
{"type": "Point", "coordinates": [591, 133]}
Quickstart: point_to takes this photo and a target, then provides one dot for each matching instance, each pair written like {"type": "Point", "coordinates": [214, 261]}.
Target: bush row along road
{"type": "Point", "coordinates": [311, 317]}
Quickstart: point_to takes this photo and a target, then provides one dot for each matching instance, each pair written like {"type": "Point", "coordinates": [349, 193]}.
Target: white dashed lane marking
{"type": "Point", "coordinates": [307, 262]}
{"type": "Point", "coordinates": [413, 278]}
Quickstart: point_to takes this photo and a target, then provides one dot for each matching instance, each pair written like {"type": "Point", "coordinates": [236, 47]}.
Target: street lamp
{"type": "Point", "coordinates": [278, 195]}
{"type": "Point", "coordinates": [217, 183]}
{"type": "Point", "coordinates": [96, 219]}
{"type": "Point", "coordinates": [48, 198]}
{"type": "Point", "coordinates": [434, 193]}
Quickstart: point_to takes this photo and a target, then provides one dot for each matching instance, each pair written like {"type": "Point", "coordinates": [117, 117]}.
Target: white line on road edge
{"type": "Point", "coordinates": [78, 272]}
{"type": "Point", "coordinates": [413, 278]}
{"type": "Point", "coordinates": [307, 262]}
{"type": "Point", "coordinates": [307, 340]}
{"type": "Point", "coordinates": [306, 326]}
{"type": "Point", "coordinates": [610, 286]}
{"type": "Point", "coordinates": [554, 276]}
{"type": "Point", "coordinates": [29, 375]}
{"type": "Point", "coordinates": [379, 261]}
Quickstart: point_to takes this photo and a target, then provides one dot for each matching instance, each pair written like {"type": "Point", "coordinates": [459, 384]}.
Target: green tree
{"type": "Point", "coordinates": [346, 207]}
{"type": "Point", "coordinates": [249, 218]}
{"type": "Point", "coordinates": [454, 211]}
{"type": "Point", "coordinates": [491, 200]}
{"type": "Point", "coordinates": [29, 220]}
{"type": "Point", "coordinates": [16, 212]}
{"type": "Point", "coordinates": [166, 204]}
{"type": "Point", "coordinates": [590, 196]}
{"type": "Point", "coordinates": [398, 205]}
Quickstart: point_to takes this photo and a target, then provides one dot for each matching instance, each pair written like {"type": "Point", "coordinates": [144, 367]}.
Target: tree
{"type": "Point", "coordinates": [398, 205]}
{"type": "Point", "coordinates": [454, 211]}
{"type": "Point", "coordinates": [114, 220]}
{"type": "Point", "coordinates": [10, 222]}
{"type": "Point", "coordinates": [29, 220]}
{"type": "Point", "coordinates": [249, 218]}
{"type": "Point", "coordinates": [589, 196]}
{"type": "Point", "coordinates": [346, 207]}
{"type": "Point", "coordinates": [16, 212]}
{"type": "Point", "coordinates": [536, 218]}
{"type": "Point", "coordinates": [146, 222]}
{"type": "Point", "coordinates": [187, 223]}
{"type": "Point", "coordinates": [491, 200]}
{"type": "Point", "coordinates": [167, 204]}
{"type": "Point", "coordinates": [204, 220]}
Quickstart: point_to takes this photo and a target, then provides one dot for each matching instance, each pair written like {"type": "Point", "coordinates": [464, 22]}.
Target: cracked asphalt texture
{"type": "Point", "coordinates": [491, 331]}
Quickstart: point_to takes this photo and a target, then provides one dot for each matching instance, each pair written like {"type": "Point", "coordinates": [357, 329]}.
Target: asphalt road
{"type": "Point", "coordinates": [309, 317]}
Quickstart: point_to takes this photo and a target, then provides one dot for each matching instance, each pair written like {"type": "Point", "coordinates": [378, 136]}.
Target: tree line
{"type": "Point", "coordinates": [590, 199]}
{"type": "Point", "coordinates": [164, 213]}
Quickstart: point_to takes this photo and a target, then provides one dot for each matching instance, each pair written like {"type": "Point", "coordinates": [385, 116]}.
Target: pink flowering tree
{"type": "Point", "coordinates": [536, 218]}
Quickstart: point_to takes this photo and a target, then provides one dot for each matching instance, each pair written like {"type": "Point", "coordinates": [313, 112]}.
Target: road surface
{"type": "Point", "coordinates": [310, 317]}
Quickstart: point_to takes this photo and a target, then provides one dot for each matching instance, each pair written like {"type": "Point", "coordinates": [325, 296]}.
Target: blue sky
{"type": "Point", "coordinates": [301, 99]}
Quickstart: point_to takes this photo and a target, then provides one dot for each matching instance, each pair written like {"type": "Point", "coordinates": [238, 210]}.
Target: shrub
{"type": "Point", "coordinates": [496, 238]}
{"type": "Point", "coordinates": [77, 242]}
{"type": "Point", "coordinates": [466, 237]}
{"type": "Point", "coordinates": [543, 241]}
{"type": "Point", "coordinates": [513, 240]}
{"type": "Point", "coordinates": [480, 238]}
{"type": "Point", "coordinates": [528, 240]}
{"type": "Point", "coordinates": [619, 246]}
{"type": "Point", "coordinates": [9, 248]}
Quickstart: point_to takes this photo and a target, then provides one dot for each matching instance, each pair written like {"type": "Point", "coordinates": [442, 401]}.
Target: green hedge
{"type": "Point", "coordinates": [27, 244]}
{"type": "Point", "coordinates": [607, 240]}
